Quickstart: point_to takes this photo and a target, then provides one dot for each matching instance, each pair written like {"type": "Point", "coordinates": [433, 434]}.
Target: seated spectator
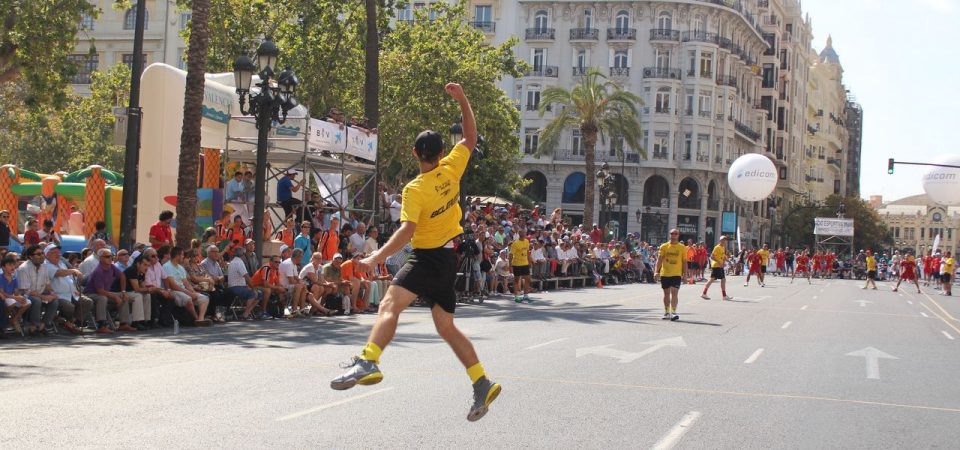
{"type": "Point", "coordinates": [302, 242]}
{"type": "Point", "coordinates": [540, 264]}
{"type": "Point", "coordinates": [359, 287]}
{"type": "Point", "coordinates": [184, 294]}
{"type": "Point", "coordinates": [238, 283]}
{"type": "Point", "coordinates": [31, 236]}
{"type": "Point", "coordinates": [316, 286]}
{"type": "Point", "coordinates": [123, 260]}
{"type": "Point", "coordinates": [331, 273]}
{"type": "Point", "coordinates": [63, 283]}
{"type": "Point", "coordinates": [138, 292]}
{"type": "Point", "coordinates": [213, 266]}
{"type": "Point", "coordinates": [48, 234]}
{"type": "Point", "coordinates": [98, 287]}
{"type": "Point", "coordinates": [91, 261]}
{"type": "Point", "coordinates": [33, 279]}
{"type": "Point", "coordinates": [286, 232]}
{"type": "Point", "coordinates": [503, 274]}
{"type": "Point", "coordinates": [202, 281]}
{"type": "Point", "coordinates": [290, 280]}
{"type": "Point", "coordinates": [267, 280]}
{"type": "Point", "coordinates": [161, 299]}
{"type": "Point", "coordinates": [14, 303]}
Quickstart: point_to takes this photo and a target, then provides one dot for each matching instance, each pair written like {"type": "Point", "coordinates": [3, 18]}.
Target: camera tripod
{"type": "Point", "coordinates": [465, 282]}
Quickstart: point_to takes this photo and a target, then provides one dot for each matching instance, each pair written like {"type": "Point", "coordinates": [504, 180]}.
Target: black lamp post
{"type": "Point", "coordinates": [272, 102]}
{"type": "Point", "coordinates": [608, 197]}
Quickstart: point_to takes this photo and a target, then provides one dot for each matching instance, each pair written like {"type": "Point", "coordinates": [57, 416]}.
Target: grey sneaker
{"type": "Point", "coordinates": [484, 393]}
{"type": "Point", "coordinates": [360, 371]}
{"type": "Point", "coordinates": [674, 317]}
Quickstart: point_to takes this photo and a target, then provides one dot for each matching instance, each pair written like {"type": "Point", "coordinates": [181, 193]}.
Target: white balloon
{"type": "Point", "coordinates": [752, 177]}
{"type": "Point", "coordinates": [942, 184]}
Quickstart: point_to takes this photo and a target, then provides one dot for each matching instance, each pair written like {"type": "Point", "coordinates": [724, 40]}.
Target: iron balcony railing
{"type": "Point", "coordinates": [540, 34]}
{"type": "Point", "coordinates": [727, 80]}
{"type": "Point", "coordinates": [670, 73]}
{"type": "Point", "coordinates": [700, 36]}
{"type": "Point", "coordinates": [584, 34]}
{"type": "Point", "coordinates": [485, 26]}
{"type": "Point", "coordinates": [658, 34]}
{"type": "Point", "coordinates": [745, 130]}
{"type": "Point", "coordinates": [544, 71]}
{"type": "Point", "coordinates": [621, 34]}
{"type": "Point", "coordinates": [619, 71]}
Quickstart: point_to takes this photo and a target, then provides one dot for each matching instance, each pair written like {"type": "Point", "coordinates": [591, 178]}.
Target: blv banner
{"type": "Point", "coordinates": [336, 138]}
{"type": "Point", "coordinates": [832, 227]}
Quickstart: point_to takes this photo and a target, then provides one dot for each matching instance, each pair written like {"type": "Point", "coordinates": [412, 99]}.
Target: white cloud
{"type": "Point", "coordinates": [941, 6]}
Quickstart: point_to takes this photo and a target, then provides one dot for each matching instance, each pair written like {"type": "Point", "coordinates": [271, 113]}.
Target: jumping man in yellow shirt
{"type": "Point", "coordinates": [717, 257]}
{"type": "Point", "coordinates": [671, 269]}
{"type": "Point", "coordinates": [430, 218]}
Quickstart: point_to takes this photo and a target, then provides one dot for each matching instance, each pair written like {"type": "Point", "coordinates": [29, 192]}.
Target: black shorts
{"type": "Point", "coordinates": [872, 275]}
{"type": "Point", "coordinates": [693, 266]}
{"type": "Point", "coordinates": [936, 275]}
{"type": "Point", "coordinates": [763, 268]}
{"type": "Point", "coordinates": [671, 282]}
{"type": "Point", "coordinates": [717, 273]}
{"type": "Point", "coordinates": [431, 273]}
{"type": "Point", "coordinates": [521, 271]}
{"type": "Point", "coordinates": [944, 277]}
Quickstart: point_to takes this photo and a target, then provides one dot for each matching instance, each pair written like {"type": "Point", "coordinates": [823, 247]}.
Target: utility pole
{"type": "Point", "coordinates": [128, 208]}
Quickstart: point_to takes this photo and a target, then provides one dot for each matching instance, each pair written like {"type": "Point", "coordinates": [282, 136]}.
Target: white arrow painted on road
{"type": "Point", "coordinates": [872, 357]}
{"type": "Point", "coordinates": [862, 303]}
{"type": "Point", "coordinates": [626, 357]}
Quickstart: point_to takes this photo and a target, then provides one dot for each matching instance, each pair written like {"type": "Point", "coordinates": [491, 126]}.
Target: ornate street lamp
{"type": "Point", "coordinates": [608, 195]}
{"type": "Point", "coordinates": [270, 104]}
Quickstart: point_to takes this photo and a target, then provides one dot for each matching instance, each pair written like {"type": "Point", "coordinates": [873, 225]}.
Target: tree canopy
{"type": "Point", "coordinates": [870, 231]}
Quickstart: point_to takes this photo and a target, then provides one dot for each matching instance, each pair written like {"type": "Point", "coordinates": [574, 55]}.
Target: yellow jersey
{"type": "Point", "coordinates": [520, 253]}
{"type": "Point", "coordinates": [718, 254]}
{"type": "Point", "coordinates": [948, 266]}
{"type": "Point", "coordinates": [672, 257]}
{"type": "Point", "coordinates": [431, 200]}
{"type": "Point", "coordinates": [764, 256]}
{"type": "Point", "coordinates": [871, 263]}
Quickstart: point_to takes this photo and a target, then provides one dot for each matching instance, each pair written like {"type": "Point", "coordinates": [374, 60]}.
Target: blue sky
{"type": "Point", "coordinates": [899, 58]}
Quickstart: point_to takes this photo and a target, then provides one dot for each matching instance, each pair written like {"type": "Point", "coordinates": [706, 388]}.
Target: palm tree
{"type": "Point", "coordinates": [598, 107]}
{"type": "Point", "coordinates": [190, 134]}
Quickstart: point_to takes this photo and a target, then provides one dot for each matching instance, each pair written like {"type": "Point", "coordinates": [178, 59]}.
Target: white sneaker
{"type": "Point", "coordinates": [762, 285]}
{"type": "Point", "coordinates": [667, 316]}
{"type": "Point", "coordinates": [746, 284]}
{"type": "Point", "coordinates": [704, 296]}
{"type": "Point", "coordinates": [727, 297]}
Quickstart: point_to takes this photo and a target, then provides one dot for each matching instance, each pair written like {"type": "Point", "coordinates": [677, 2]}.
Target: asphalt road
{"type": "Point", "coordinates": [826, 365]}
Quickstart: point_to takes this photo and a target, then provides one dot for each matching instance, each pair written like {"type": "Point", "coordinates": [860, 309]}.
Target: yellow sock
{"type": "Point", "coordinates": [371, 352]}
{"type": "Point", "coordinates": [476, 372]}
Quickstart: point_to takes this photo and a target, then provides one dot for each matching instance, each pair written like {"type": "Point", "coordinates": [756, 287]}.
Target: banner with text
{"type": "Point", "coordinates": [824, 226]}
{"type": "Point", "coordinates": [335, 138]}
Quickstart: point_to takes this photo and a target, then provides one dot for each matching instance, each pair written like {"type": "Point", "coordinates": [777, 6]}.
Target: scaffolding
{"type": "Point", "coordinates": [289, 148]}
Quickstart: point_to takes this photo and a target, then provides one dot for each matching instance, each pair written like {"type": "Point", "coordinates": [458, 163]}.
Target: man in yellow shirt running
{"type": "Point", "coordinates": [670, 270]}
{"type": "Point", "coordinates": [764, 259]}
{"type": "Point", "coordinates": [520, 262]}
{"type": "Point", "coordinates": [947, 269]}
{"type": "Point", "coordinates": [430, 219]}
{"type": "Point", "coordinates": [717, 257]}
{"type": "Point", "coordinates": [871, 271]}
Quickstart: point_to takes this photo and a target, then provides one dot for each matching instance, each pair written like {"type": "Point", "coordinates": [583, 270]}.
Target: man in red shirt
{"type": "Point", "coordinates": [803, 267]}
{"type": "Point", "coordinates": [754, 260]}
{"type": "Point", "coordinates": [781, 262]}
{"type": "Point", "coordinates": [160, 233]}
{"type": "Point", "coordinates": [908, 271]}
{"type": "Point", "coordinates": [596, 234]}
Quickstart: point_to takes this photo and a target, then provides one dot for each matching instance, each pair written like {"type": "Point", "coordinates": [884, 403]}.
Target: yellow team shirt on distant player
{"type": "Point", "coordinates": [520, 253]}
{"type": "Point", "coordinates": [871, 263]}
{"type": "Point", "coordinates": [948, 266]}
{"type": "Point", "coordinates": [672, 256]}
{"type": "Point", "coordinates": [431, 200]}
{"type": "Point", "coordinates": [764, 256]}
{"type": "Point", "coordinates": [719, 253]}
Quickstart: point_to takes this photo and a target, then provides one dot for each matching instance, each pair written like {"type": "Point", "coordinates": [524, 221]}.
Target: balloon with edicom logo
{"type": "Point", "coordinates": [942, 184]}
{"type": "Point", "coordinates": [752, 177]}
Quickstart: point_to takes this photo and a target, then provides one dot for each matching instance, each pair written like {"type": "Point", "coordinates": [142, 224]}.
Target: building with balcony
{"type": "Point", "coordinates": [695, 64]}
{"type": "Point", "coordinates": [826, 133]}
{"type": "Point", "coordinates": [107, 40]}
{"type": "Point", "coordinates": [915, 221]}
{"type": "Point", "coordinates": [854, 123]}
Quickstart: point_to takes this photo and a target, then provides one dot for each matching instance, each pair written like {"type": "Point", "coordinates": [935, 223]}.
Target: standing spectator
{"type": "Point", "coordinates": [303, 243]}
{"type": "Point", "coordinates": [357, 239]}
{"type": "Point", "coordinates": [236, 196]}
{"type": "Point", "coordinates": [100, 232]}
{"type": "Point", "coordinates": [330, 240]}
{"type": "Point", "coordinates": [13, 301]}
{"type": "Point", "coordinates": [98, 288]}
{"type": "Point", "coordinates": [138, 293]}
{"type": "Point", "coordinates": [48, 234]}
{"type": "Point", "coordinates": [184, 295]}
{"type": "Point", "coordinates": [63, 283]}
{"type": "Point", "coordinates": [596, 234]}
{"type": "Point", "coordinates": [33, 279]}
{"type": "Point", "coordinates": [290, 280]}
{"type": "Point", "coordinates": [160, 232]}
{"type": "Point", "coordinates": [285, 189]}
{"type": "Point", "coordinates": [32, 235]}
{"type": "Point", "coordinates": [250, 258]}
{"type": "Point", "coordinates": [238, 283]}
{"type": "Point", "coordinates": [5, 232]}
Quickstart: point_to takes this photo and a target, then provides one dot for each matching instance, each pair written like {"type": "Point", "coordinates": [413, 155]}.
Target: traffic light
{"type": "Point", "coordinates": [890, 166]}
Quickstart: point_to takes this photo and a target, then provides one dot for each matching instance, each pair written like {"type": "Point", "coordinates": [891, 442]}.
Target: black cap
{"type": "Point", "coordinates": [429, 145]}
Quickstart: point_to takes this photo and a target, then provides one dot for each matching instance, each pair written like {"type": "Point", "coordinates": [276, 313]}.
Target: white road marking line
{"type": "Point", "coordinates": [545, 344]}
{"type": "Point", "coordinates": [814, 297]}
{"type": "Point", "coordinates": [673, 436]}
{"type": "Point", "coordinates": [784, 327]}
{"type": "Point", "coordinates": [331, 405]}
{"type": "Point", "coordinates": [754, 356]}
{"type": "Point", "coordinates": [924, 314]}
{"type": "Point", "coordinates": [947, 335]}
{"type": "Point", "coordinates": [909, 302]}
{"type": "Point", "coordinates": [804, 307]}
{"type": "Point", "coordinates": [900, 294]}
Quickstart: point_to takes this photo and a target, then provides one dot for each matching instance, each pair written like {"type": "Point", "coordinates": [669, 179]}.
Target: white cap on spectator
{"type": "Point", "coordinates": [337, 256]}
{"type": "Point", "coordinates": [133, 255]}
{"type": "Point", "coordinates": [48, 248]}
{"type": "Point", "coordinates": [291, 171]}
{"type": "Point", "coordinates": [283, 248]}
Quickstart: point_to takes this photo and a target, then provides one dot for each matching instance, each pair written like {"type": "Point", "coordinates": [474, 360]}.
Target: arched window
{"type": "Point", "coordinates": [587, 21]}
{"type": "Point", "coordinates": [699, 24]}
{"type": "Point", "coordinates": [622, 22]}
{"type": "Point", "coordinates": [540, 21]}
{"type": "Point", "coordinates": [130, 19]}
{"type": "Point", "coordinates": [656, 192]}
{"type": "Point", "coordinates": [573, 188]}
{"type": "Point", "coordinates": [689, 194]}
{"type": "Point", "coordinates": [665, 20]}
{"type": "Point", "coordinates": [537, 189]}
{"type": "Point", "coordinates": [620, 59]}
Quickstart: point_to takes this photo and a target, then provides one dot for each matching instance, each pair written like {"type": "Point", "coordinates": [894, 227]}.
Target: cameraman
{"type": "Point", "coordinates": [469, 251]}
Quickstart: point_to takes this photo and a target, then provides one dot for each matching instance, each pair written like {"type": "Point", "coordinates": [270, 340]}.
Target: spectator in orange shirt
{"type": "Point", "coordinates": [267, 280]}
{"type": "Point", "coordinates": [329, 240]}
{"type": "Point", "coordinates": [286, 232]}
{"type": "Point", "coordinates": [349, 271]}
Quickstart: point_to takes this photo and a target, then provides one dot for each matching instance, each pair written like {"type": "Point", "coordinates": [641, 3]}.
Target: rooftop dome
{"type": "Point", "coordinates": [828, 55]}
